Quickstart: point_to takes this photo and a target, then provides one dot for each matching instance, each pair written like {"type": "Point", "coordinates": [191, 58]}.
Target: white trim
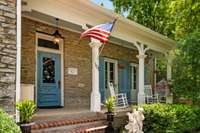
{"type": "Point", "coordinates": [18, 56]}
{"type": "Point", "coordinates": [60, 51]}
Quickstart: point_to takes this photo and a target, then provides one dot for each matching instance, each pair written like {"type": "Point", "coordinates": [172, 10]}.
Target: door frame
{"type": "Point", "coordinates": [48, 50]}
{"type": "Point", "coordinates": [116, 71]}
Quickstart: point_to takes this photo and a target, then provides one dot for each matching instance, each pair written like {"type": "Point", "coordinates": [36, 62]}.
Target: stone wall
{"type": "Point", "coordinates": [77, 89]}
{"type": "Point", "coordinates": [7, 54]}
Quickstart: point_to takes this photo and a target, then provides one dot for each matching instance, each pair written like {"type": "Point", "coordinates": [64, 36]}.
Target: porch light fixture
{"type": "Point", "coordinates": [56, 34]}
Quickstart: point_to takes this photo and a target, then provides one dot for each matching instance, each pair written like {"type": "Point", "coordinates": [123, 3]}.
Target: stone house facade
{"type": "Point", "coordinates": [7, 54]}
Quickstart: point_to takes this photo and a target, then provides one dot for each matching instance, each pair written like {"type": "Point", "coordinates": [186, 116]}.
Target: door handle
{"type": "Point", "coordinates": [59, 84]}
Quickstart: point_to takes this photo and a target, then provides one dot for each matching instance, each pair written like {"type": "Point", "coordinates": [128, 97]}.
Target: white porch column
{"type": "Point", "coordinates": [169, 65]}
{"type": "Point", "coordinates": [169, 69]}
{"type": "Point", "coordinates": [95, 101]}
{"type": "Point", "coordinates": [141, 57]}
{"type": "Point", "coordinates": [155, 69]}
{"type": "Point", "coordinates": [169, 97]}
{"type": "Point", "coordinates": [18, 62]}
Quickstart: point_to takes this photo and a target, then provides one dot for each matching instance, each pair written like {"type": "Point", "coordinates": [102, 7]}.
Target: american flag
{"type": "Point", "coordinates": [100, 32]}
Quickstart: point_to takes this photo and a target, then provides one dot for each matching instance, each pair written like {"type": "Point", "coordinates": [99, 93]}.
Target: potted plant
{"type": "Point", "coordinates": [26, 110]}
{"type": "Point", "coordinates": [110, 103]}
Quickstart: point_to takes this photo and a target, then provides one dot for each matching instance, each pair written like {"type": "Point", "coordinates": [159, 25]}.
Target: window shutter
{"type": "Point", "coordinates": [124, 78]}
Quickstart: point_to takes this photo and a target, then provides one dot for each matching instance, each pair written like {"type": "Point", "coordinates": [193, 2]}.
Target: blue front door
{"type": "Point", "coordinates": [49, 84]}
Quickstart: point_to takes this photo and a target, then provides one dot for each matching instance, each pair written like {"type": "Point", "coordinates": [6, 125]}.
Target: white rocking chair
{"type": "Point", "coordinates": [149, 97]}
{"type": "Point", "coordinates": [121, 98]}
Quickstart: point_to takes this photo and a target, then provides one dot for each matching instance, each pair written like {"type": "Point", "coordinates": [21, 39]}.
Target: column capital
{"type": "Point", "coordinates": [95, 43]}
{"type": "Point", "coordinates": [141, 47]}
{"type": "Point", "coordinates": [141, 56]}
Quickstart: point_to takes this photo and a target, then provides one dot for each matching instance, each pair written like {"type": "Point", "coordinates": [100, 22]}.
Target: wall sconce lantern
{"type": "Point", "coordinates": [56, 35]}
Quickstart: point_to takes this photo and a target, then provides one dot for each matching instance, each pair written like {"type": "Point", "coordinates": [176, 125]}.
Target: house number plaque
{"type": "Point", "coordinates": [72, 71]}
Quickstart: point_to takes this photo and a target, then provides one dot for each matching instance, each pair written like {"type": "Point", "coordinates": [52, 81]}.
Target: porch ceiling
{"type": "Point", "coordinates": [74, 14]}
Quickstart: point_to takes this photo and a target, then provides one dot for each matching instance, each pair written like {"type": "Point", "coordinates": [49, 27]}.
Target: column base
{"type": "Point", "coordinates": [141, 99]}
{"type": "Point", "coordinates": [95, 102]}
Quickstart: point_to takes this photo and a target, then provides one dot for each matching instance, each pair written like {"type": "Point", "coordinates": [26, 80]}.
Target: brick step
{"type": "Point", "coordinates": [69, 123]}
{"type": "Point", "coordinates": [65, 122]}
{"type": "Point", "coordinates": [93, 127]}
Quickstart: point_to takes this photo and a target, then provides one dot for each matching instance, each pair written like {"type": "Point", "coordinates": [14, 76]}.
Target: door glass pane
{"type": "Point", "coordinates": [48, 70]}
{"type": "Point", "coordinates": [106, 74]}
{"type": "Point", "coordinates": [111, 76]}
{"type": "Point", "coordinates": [111, 71]}
{"type": "Point", "coordinates": [133, 77]}
{"type": "Point", "coordinates": [111, 66]}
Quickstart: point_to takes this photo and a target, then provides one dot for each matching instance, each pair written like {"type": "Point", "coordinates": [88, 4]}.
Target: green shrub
{"type": "Point", "coordinates": [7, 124]}
{"type": "Point", "coordinates": [26, 109]}
{"type": "Point", "coordinates": [165, 118]}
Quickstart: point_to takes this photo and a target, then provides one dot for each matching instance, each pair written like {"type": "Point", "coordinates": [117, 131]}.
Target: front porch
{"type": "Point", "coordinates": [79, 120]}
{"type": "Point", "coordinates": [66, 75]}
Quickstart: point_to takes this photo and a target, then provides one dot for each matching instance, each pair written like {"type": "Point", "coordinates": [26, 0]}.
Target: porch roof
{"type": "Point", "coordinates": [74, 14]}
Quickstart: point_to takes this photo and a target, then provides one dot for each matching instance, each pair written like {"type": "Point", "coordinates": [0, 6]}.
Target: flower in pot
{"type": "Point", "coordinates": [26, 110]}
{"type": "Point", "coordinates": [110, 104]}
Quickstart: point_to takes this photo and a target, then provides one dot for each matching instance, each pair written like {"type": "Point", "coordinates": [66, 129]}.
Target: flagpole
{"type": "Point", "coordinates": [113, 25]}
{"type": "Point", "coordinates": [114, 21]}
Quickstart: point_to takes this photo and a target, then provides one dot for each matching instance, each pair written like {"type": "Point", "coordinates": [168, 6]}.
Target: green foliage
{"type": "Point", "coordinates": [185, 15]}
{"type": "Point", "coordinates": [26, 109]}
{"type": "Point", "coordinates": [173, 18]}
{"type": "Point", "coordinates": [161, 68]}
{"type": "Point", "coordinates": [153, 14]}
{"type": "Point", "coordinates": [110, 103]}
{"type": "Point", "coordinates": [186, 72]}
{"type": "Point", "coordinates": [7, 124]}
{"type": "Point", "coordinates": [163, 118]}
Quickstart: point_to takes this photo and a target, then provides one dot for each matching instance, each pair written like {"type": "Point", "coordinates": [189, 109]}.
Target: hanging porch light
{"type": "Point", "coordinates": [56, 35]}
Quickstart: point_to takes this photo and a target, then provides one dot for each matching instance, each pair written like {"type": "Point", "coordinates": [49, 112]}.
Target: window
{"type": "Point", "coordinates": [110, 73]}
{"type": "Point", "coordinates": [48, 70]}
{"type": "Point", "coordinates": [47, 44]}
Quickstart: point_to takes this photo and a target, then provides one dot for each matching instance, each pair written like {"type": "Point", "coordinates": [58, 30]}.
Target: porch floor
{"type": "Point", "coordinates": [59, 113]}
{"type": "Point", "coordinates": [68, 113]}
